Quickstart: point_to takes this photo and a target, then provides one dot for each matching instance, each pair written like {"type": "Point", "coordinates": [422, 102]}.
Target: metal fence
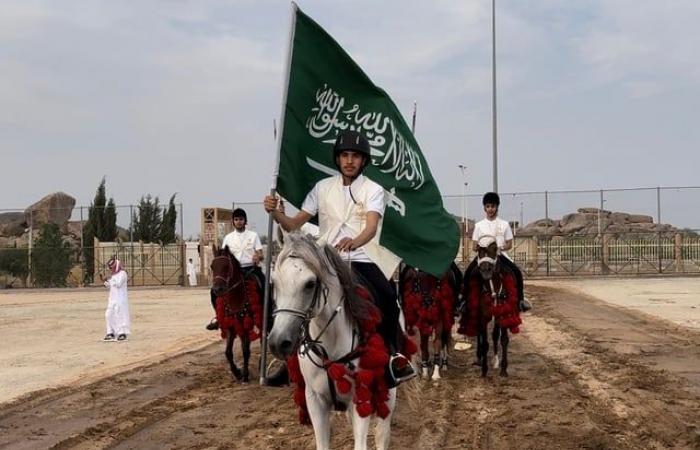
{"type": "Point", "coordinates": [549, 252]}
{"type": "Point", "coordinates": [30, 259]}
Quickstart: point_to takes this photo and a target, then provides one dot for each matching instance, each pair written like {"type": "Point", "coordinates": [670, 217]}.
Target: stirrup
{"type": "Point", "coordinates": [400, 379]}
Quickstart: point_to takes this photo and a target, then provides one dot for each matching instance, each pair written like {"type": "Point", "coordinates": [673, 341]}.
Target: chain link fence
{"type": "Point", "coordinates": [49, 247]}
{"type": "Point", "coordinates": [557, 233]}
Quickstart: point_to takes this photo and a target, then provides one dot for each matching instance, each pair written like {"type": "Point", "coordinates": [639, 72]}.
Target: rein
{"type": "Point", "coordinates": [227, 279]}
{"type": "Point", "coordinates": [309, 346]}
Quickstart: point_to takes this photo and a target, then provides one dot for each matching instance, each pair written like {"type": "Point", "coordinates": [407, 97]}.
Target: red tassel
{"type": "Point", "coordinates": [362, 394]}
{"type": "Point", "coordinates": [365, 409]}
{"type": "Point", "coordinates": [336, 371]}
{"type": "Point", "coordinates": [299, 397]}
{"type": "Point", "coordinates": [374, 359]}
{"type": "Point", "coordinates": [364, 377]}
{"type": "Point", "coordinates": [410, 347]}
{"type": "Point", "coordinates": [343, 385]}
{"type": "Point", "coordinates": [383, 410]}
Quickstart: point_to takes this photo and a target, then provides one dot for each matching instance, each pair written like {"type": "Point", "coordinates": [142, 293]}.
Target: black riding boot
{"type": "Point", "coordinates": [213, 324]}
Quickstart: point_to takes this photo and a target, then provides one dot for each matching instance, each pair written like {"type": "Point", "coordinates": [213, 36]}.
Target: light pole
{"type": "Point", "coordinates": [465, 223]}
{"type": "Point", "coordinates": [493, 77]}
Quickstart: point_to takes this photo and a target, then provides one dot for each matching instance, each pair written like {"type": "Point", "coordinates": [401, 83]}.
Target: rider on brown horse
{"type": "Point", "coordinates": [246, 247]}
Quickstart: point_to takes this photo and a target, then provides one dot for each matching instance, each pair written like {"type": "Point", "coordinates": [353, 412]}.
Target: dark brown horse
{"type": "Point", "coordinates": [428, 305]}
{"type": "Point", "coordinates": [238, 307]}
{"type": "Point", "coordinates": [490, 293]}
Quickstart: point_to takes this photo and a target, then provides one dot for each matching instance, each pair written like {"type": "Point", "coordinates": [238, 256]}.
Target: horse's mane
{"type": "Point", "coordinates": [325, 263]}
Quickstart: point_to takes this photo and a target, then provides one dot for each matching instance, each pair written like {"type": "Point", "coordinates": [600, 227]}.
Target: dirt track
{"type": "Point", "coordinates": [584, 374]}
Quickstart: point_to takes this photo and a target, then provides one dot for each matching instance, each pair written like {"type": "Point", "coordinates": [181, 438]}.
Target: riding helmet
{"type": "Point", "coordinates": [351, 141]}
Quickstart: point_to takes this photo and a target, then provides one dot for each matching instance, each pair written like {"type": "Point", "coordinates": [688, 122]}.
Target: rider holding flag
{"type": "Point", "coordinates": [350, 209]}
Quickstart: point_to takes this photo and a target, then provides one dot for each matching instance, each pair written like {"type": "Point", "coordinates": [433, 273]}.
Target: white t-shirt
{"type": "Point", "coordinates": [243, 245]}
{"type": "Point", "coordinates": [498, 228]}
{"type": "Point", "coordinates": [375, 202]}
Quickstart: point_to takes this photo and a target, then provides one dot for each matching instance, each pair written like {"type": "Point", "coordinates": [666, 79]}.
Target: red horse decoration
{"type": "Point", "coordinates": [238, 307]}
{"type": "Point", "coordinates": [490, 293]}
{"type": "Point", "coordinates": [428, 305]}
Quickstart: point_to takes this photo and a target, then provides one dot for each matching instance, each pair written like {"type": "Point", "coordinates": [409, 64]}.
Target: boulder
{"type": "Point", "coordinates": [12, 224]}
{"type": "Point", "coordinates": [593, 211]}
{"type": "Point", "coordinates": [640, 218]}
{"type": "Point", "coordinates": [573, 223]}
{"type": "Point", "coordinates": [619, 217]}
{"type": "Point", "coordinates": [54, 208]}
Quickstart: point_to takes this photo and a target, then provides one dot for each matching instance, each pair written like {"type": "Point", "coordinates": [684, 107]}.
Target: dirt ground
{"type": "Point", "coordinates": [584, 373]}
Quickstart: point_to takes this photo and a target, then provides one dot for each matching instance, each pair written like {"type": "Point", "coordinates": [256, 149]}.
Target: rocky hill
{"type": "Point", "coordinates": [585, 222]}
{"type": "Point", "coordinates": [54, 208]}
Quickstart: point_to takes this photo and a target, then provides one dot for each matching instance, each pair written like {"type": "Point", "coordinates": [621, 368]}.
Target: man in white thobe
{"type": "Point", "coordinates": [191, 273]}
{"type": "Point", "coordinates": [117, 318]}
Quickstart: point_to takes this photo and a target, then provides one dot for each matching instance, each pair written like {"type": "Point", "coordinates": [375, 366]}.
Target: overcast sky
{"type": "Point", "coordinates": [179, 96]}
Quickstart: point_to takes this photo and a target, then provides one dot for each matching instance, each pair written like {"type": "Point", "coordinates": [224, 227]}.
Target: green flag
{"type": "Point", "coordinates": [328, 93]}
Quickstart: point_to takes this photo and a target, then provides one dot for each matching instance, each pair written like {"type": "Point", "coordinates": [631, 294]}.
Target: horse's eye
{"type": "Point", "coordinates": [310, 284]}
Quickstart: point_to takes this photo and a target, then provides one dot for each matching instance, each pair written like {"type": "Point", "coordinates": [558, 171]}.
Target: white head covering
{"type": "Point", "coordinates": [114, 265]}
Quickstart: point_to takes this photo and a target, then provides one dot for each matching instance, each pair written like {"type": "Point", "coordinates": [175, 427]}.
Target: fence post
{"type": "Point", "coordinates": [183, 252]}
{"type": "Point", "coordinates": [82, 251]}
{"type": "Point", "coordinates": [131, 244]}
{"type": "Point", "coordinates": [603, 266]}
{"type": "Point", "coordinates": [546, 216]}
{"type": "Point", "coordinates": [658, 222]}
{"type": "Point", "coordinates": [30, 279]}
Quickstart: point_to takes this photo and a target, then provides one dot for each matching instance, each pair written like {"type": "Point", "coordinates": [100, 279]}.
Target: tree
{"type": "Point", "coordinates": [147, 220]}
{"type": "Point", "coordinates": [14, 261]}
{"type": "Point", "coordinates": [101, 224]}
{"type": "Point", "coordinates": [109, 232]}
{"type": "Point", "coordinates": [50, 258]}
{"type": "Point", "coordinates": [167, 231]}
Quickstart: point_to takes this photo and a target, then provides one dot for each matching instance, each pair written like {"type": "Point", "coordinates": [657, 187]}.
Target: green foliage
{"type": "Point", "coordinates": [147, 221]}
{"type": "Point", "coordinates": [109, 232]}
{"type": "Point", "coordinates": [14, 261]}
{"type": "Point", "coordinates": [50, 258]}
{"type": "Point", "coordinates": [101, 224]}
{"type": "Point", "coordinates": [167, 230]}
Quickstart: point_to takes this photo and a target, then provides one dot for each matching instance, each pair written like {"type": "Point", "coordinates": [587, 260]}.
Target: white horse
{"type": "Point", "coordinates": [317, 316]}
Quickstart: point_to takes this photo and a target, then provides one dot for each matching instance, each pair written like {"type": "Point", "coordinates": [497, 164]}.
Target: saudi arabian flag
{"type": "Point", "coordinates": [328, 93]}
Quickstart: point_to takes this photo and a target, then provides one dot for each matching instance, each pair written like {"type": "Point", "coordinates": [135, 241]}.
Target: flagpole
{"type": "Point", "coordinates": [413, 122]}
{"type": "Point", "coordinates": [273, 188]}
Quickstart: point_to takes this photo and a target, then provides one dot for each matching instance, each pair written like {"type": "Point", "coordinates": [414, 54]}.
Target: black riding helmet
{"type": "Point", "coordinates": [491, 198]}
{"type": "Point", "coordinates": [351, 141]}
{"type": "Point", "coordinates": [239, 212]}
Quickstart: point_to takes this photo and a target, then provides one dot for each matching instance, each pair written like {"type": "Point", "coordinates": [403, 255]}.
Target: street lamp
{"type": "Point", "coordinates": [463, 168]}
{"type": "Point", "coordinates": [493, 98]}
{"type": "Point", "coordinates": [465, 224]}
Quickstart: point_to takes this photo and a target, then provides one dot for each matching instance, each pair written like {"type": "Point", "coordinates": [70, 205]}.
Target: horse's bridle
{"type": "Point", "coordinates": [310, 343]}
{"type": "Point", "coordinates": [227, 279]}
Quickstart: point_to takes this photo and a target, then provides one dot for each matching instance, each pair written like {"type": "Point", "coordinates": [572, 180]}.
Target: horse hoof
{"type": "Point", "coordinates": [237, 374]}
{"type": "Point", "coordinates": [436, 373]}
{"type": "Point", "coordinates": [504, 373]}
{"type": "Point", "coordinates": [496, 362]}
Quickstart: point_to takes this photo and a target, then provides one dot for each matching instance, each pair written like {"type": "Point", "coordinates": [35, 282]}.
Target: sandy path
{"type": "Point", "coordinates": [582, 375]}
{"type": "Point", "coordinates": [676, 299]}
{"type": "Point", "coordinates": [53, 337]}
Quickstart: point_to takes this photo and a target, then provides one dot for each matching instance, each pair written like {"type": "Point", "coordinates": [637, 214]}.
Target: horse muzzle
{"type": "Point", "coordinates": [487, 269]}
{"type": "Point", "coordinates": [282, 341]}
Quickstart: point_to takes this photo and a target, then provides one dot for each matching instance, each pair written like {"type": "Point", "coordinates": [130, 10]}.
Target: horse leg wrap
{"type": "Point", "coordinates": [425, 368]}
